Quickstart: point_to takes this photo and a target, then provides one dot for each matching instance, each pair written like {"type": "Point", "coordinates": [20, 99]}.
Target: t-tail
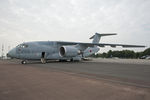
{"type": "Point", "coordinates": [96, 38]}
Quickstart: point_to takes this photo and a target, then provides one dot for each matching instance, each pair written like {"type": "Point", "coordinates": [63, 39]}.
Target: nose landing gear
{"type": "Point", "coordinates": [24, 62]}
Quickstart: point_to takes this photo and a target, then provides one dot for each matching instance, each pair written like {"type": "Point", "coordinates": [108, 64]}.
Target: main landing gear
{"type": "Point", "coordinates": [43, 60]}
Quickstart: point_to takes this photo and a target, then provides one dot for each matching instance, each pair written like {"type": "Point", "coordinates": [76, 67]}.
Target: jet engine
{"type": "Point", "coordinates": [69, 51]}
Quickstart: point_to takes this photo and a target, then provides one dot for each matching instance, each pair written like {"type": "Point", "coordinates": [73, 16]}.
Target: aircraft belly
{"type": "Point", "coordinates": [30, 56]}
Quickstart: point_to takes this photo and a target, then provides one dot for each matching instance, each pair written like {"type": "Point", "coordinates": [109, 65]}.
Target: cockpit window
{"type": "Point", "coordinates": [22, 46]}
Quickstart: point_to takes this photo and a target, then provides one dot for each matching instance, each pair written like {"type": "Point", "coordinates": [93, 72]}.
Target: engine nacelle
{"type": "Point", "coordinates": [68, 51]}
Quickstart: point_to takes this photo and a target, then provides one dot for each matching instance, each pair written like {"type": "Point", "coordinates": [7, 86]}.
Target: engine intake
{"type": "Point", "coordinates": [69, 51]}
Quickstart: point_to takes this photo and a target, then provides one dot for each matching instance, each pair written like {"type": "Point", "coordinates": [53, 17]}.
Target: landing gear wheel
{"type": "Point", "coordinates": [24, 62]}
{"type": "Point", "coordinates": [62, 60]}
{"type": "Point", "coordinates": [43, 60]}
{"type": "Point", "coordinates": [71, 60]}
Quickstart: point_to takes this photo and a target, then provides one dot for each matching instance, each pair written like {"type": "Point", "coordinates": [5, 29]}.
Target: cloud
{"type": "Point", "coordinates": [29, 20]}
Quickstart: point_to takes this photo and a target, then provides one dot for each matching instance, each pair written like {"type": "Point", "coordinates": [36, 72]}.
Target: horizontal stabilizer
{"type": "Point", "coordinates": [103, 34]}
{"type": "Point", "coordinates": [96, 38]}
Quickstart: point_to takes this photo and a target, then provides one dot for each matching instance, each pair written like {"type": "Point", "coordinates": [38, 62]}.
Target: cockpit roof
{"type": "Point", "coordinates": [23, 45]}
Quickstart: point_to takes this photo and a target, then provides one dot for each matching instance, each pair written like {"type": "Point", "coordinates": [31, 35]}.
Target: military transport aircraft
{"type": "Point", "coordinates": [60, 50]}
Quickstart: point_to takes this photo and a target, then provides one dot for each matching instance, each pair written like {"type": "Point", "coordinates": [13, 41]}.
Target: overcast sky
{"type": "Point", "coordinates": [74, 20]}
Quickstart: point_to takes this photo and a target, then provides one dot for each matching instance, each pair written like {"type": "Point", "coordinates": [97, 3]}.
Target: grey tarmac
{"type": "Point", "coordinates": [92, 80]}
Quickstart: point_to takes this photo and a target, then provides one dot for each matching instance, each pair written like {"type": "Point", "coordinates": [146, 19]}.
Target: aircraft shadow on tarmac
{"type": "Point", "coordinates": [61, 62]}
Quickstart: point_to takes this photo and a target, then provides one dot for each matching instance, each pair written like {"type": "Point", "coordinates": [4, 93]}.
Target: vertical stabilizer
{"type": "Point", "coordinates": [96, 38]}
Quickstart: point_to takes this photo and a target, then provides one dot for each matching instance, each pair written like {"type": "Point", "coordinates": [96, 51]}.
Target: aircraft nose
{"type": "Point", "coordinates": [11, 53]}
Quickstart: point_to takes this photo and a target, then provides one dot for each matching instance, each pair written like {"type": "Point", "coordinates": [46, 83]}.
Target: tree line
{"type": "Point", "coordinates": [123, 54]}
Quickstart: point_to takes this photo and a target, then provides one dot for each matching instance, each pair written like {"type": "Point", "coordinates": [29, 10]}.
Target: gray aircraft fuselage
{"type": "Point", "coordinates": [34, 50]}
{"type": "Point", "coordinates": [49, 50]}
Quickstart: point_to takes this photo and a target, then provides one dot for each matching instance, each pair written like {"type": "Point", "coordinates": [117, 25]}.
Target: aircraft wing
{"type": "Point", "coordinates": [99, 44]}
{"type": "Point", "coordinates": [122, 45]}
